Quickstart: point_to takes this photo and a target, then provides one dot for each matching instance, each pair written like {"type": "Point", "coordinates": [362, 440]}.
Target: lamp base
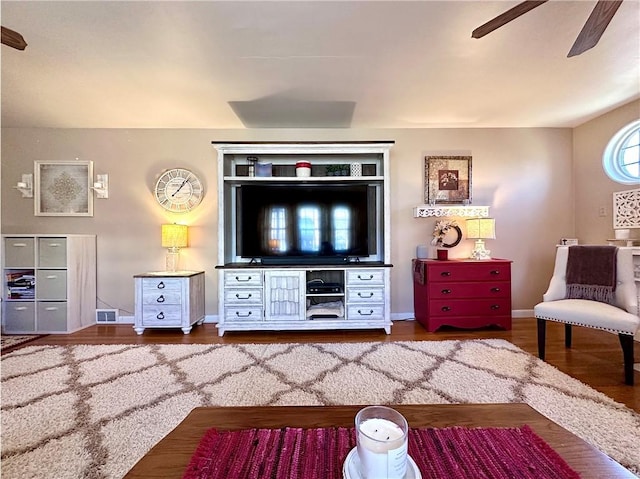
{"type": "Point", "coordinates": [479, 252]}
{"type": "Point", "coordinates": [172, 260]}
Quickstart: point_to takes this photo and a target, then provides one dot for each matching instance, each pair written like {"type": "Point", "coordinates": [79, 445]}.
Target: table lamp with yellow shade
{"type": "Point", "coordinates": [174, 237]}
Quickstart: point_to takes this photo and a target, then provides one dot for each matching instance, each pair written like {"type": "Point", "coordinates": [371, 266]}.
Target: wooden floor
{"type": "Point", "coordinates": [595, 359]}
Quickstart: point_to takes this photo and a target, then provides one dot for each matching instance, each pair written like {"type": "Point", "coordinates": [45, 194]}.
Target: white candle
{"type": "Point", "coordinates": [382, 449]}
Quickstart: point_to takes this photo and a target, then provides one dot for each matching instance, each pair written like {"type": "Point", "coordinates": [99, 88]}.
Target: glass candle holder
{"type": "Point", "coordinates": [382, 441]}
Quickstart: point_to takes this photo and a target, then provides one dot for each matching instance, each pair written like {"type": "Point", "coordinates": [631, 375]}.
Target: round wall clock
{"type": "Point", "coordinates": [178, 190]}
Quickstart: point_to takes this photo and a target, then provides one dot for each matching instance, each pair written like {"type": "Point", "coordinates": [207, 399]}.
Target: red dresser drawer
{"type": "Point", "coordinates": [469, 290]}
{"type": "Point", "coordinates": [460, 307]}
{"type": "Point", "coordinates": [468, 271]}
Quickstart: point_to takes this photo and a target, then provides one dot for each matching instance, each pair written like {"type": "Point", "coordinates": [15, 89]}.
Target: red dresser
{"type": "Point", "coordinates": [462, 293]}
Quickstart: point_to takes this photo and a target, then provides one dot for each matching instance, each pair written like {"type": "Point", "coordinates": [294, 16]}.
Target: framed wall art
{"type": "Point", "coordinates": [63, 188]}
{"type": "Point", "coordinates": [447, 179]}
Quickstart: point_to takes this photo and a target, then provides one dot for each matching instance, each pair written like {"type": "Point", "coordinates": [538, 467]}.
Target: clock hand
{"type": "Point", "coordinates": [180, 187]}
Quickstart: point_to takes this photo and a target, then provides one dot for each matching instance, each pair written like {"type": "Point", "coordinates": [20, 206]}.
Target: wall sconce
{"type": "Point", "coordinates": [101, 186]}
{"type": "Point", "coordinates": [174, 237]}
{"type": "Point", "coordinates": [25, 186]}
{"type": "Point", "coordinates": [481, 229]}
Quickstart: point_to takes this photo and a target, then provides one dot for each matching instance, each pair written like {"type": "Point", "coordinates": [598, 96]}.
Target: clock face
{"type": "Point", "coordinates": [179, 190]}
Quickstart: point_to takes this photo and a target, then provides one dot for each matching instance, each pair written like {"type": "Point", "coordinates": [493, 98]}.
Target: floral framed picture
{"type": "Point", "coordinates": [447, 179]}
{"type": "Point", "coordinates": [63, 188]}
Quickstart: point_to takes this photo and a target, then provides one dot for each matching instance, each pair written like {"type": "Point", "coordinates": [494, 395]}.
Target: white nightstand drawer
{"type": "Point", "coordinates": [240, 313]}
{"type": "Point", "coordinates": [362, 277]}
{"type": "Point", "coordinates": [365, 295]}
{"type": "Point", "coordinates": [242, 278]}
{"type": "Point", "coordinates": [51, 284]}
{"type": "Point", "coordinates": [375, 311]}
{"type": "Point", "coordinates": [243, 296]}
{"type": "Point", "coordinates": [162, 297]}
{"type": "Point", "coordinates": [150, 285]}
{"type": "Point", "coordinates": [169, 315]}
{"type": "Point", "coordinates": [19, 252]}
{"type": "Point", "coordinates": [52, 252]}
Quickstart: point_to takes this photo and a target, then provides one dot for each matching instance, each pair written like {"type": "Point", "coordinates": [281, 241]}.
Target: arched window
{"type": "Point", "coordinates": [621, 159]}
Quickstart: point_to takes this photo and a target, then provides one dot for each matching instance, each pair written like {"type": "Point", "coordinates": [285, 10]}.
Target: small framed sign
{"type": "Point", "coordinates": [447, 179]}
{"type": "Point", "coordinates": [63, 188]}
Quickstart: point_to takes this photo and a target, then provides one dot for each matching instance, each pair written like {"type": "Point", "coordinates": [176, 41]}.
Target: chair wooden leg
{"type": "Point", "coordinates": [542, 329]}
{"type": "Point", "coordinates": [626, 341]}
{"type": "Point", "coordinates": [567, 335]}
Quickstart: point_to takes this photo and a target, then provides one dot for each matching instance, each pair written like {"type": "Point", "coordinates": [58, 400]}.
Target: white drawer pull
{"type": "Point", "coordinates": [54, 245]}
{"type": "Point", "coordinates": [51, 308]}
{"type": "Point", "coordinates": [20, 308]}
{"type": "Point", "coordinates": [52, 276]}
{"type": "Point", "coordinates": [19, 245]}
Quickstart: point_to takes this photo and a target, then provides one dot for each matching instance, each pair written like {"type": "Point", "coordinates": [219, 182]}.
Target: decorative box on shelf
{"type": "Point", "coordinates": [472, 211]}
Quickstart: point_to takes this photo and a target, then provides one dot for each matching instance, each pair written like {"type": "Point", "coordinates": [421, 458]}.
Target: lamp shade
{"type": "Point", "coordinates": [174, 236]}
{"type": "Point", "coordinates": [481, 228]}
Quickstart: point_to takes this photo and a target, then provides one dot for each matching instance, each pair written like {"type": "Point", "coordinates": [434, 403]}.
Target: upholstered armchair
{"type": "Point", "coordinates": [616, 313]}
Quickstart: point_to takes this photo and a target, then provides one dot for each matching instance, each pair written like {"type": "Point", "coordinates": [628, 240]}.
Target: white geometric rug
{"type": "Point", "coordinates": [92, 411]}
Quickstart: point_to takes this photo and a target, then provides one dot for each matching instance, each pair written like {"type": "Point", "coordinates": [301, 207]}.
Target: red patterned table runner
{"type": "Point", "coordinates": [444, 453]}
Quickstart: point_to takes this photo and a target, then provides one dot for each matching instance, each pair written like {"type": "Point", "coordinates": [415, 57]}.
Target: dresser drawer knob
{"type": "Point", "coordinates": [446, 308]}
{"type": "Point", "coordinates": [160, 285]}
{"type": "Point", "coordinates": [241, 280]}
{"type": "Point", "coordinates": [445, 273]}
{"type": "Point", "coordinates": [240, 315]}
{"type": "Point", "coordinates": [495, 306]}
{"type": "Point", "coordinates": [364, 278]}
{"type": "Point", "coordinates": [446, 291]}
{"type": "Point", "coordinates": [364, 313]}
{"type": "Point", "coordinates": [160, 315]}
{"type": "Point", "coordinates": [495, 290]}
{"type": "Point", "coordinates": [239, 296]}
{"type": "Point", "coordinates": [365, 296]}
{"type": "Point", "coordinates": [160, 299]}
{"type": "Point", "coordinates": [495, 272]}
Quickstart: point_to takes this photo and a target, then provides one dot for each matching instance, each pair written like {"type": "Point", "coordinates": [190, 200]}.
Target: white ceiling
{"type": "Point", "coordinates": [358, 64]}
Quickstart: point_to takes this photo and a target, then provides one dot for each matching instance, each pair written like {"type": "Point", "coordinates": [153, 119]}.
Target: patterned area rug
{"type": "Point", "coordinates": [9, 342]}
{"type": "Point", "coordinates": [93, 411]}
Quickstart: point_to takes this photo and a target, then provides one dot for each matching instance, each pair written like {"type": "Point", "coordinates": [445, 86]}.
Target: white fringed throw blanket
{"type": "Point", "coordinates": [591, 273]}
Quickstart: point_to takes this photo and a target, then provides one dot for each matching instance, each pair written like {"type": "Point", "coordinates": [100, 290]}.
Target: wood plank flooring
{"type": "Point", "coordinates": [595, 358]}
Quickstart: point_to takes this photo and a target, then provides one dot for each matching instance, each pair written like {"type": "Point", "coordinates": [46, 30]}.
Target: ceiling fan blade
{"type": "Point", "coordinates": [13, 39]}
{"type": "Point", "coordinates": [595, 26]}
{"type": "Point", "coordinates": [506, 17]}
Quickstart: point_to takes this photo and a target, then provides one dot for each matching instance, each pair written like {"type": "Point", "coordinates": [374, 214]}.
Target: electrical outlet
{"type": "Point", "coordinates": [602, 211]}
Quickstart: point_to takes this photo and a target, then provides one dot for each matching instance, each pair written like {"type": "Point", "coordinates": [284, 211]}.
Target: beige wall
{"type": "Point", "coordinates": [525, 175]}
{"type": "Point", "coordinates": [593, 187]}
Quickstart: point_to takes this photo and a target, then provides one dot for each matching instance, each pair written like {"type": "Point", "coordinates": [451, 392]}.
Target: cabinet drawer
{"type": "Point", "coordinates": [365, 295]}
{"type": "Point", "coordinates": [240, 313]}
{"type": "Point", "coordinates": [375, 311]}
{"type": "Point", "coordinates": [20, 316]}
{"type": "Point", "coordinates": [242, 278]}
{"type": "Point", "coordinates": [486, 307]}
{"type": "Point", "coordinates": [52, 316]}
{"type": "Point", "coordinates": [445, 271]}
{"type": "Point", "coordinates": [19, 252]}
{"type": "Point", "coordinates": [469, 290]}
{"type": "Point", "coordinates": [153, 285]}
{"type": "Point", "coordinates": [243, 296]}
{"type": "Point", "coordinates": [51, 284]}
{"type": "Point", "coordinates": [52, 252]}
{"type": "Point", "coordinates": [362, 277]}
{"type": "Point", "coordinates": [162, 297]}
{"type": "Point", "coordinates": [169, 315]}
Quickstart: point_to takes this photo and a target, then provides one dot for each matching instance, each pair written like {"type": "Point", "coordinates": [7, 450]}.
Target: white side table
{"type": "Point", "coordinates": [165, 299]}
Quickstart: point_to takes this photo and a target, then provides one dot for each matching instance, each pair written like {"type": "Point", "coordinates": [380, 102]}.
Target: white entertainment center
{"type": "Point", "coordinates": [312, 292]}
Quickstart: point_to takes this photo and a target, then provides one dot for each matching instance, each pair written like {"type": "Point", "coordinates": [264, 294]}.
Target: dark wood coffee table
{"type": "Point", "coordinates": [169, 458]}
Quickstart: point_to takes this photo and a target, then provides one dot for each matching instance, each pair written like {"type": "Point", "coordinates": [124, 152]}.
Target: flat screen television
{"type": "Point", "coordinates": [305, 224]}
